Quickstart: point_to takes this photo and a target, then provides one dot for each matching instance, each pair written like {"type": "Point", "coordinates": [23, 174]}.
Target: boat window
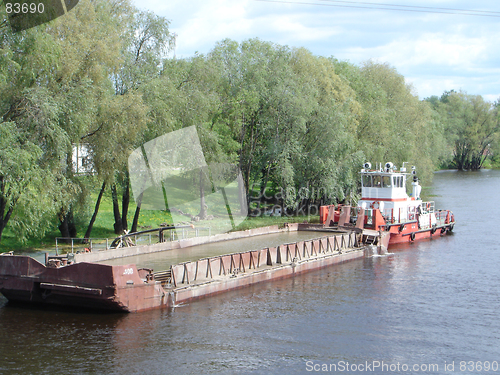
{"type": "Point", "coordinates": [377, 181]}
{"type": "Point", "coordinates": [386, 181]}
{"type": "Point", "coordinates": [367, 180]}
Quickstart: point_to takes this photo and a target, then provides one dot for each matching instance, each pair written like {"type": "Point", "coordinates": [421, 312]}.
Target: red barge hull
{"type": "Point", "coordinates": [128, 289]}
{"type": "Point", "coordinates": [82, 285]}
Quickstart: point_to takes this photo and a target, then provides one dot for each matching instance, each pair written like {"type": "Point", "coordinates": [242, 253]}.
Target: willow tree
{"type": "Point", "coordinates": [56, 85]}
{"type": "Point", "coordinates": [147, 42]}
{"type": "Point", "coordinates": [186, 95]}
{"type": "Point", "coordinates": [328, 162]}
{"type": "Point", "coordinates": [394, 124]}
{"type": "Point", "coordinates": [293, 117]}
{"type": "Point", "coordinates": [91, 38]}
{"type": "Point", "coordinates": [472, 127]}
{"type": "Point", "coordinates": [263, 107]}
{"type": "Point", "coordinates": [33, 143]}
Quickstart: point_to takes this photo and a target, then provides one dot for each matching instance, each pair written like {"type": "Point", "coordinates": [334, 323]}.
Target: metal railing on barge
{"type": "Point", "coordinates": [145, 237]}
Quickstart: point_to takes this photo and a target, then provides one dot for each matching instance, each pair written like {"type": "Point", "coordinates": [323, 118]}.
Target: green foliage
{"type": "Point", "coordinates": [292, 116]}
{"type": "Point", "coordinates": [471, 127]}
{"type": "Point", "coordinates": [394, 125]}
{"type": "Point", "coordinates": [297, 125]}
{"type": "Point", "coordinates": [23, 180]}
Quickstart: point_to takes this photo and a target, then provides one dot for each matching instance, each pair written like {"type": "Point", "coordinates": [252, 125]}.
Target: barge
{"type": "Point", "coordinates": [129, 288]}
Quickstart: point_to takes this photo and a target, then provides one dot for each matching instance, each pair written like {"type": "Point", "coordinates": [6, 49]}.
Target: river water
{"type": "Point", "coordinates": [430, 308]}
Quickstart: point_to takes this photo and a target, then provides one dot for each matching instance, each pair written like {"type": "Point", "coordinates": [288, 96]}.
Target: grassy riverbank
{"type": "Point", "coordinates": [103, 227]}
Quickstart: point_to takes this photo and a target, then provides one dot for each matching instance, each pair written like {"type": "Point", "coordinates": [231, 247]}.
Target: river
{"type": "Point", "coordinates": [430, 308]}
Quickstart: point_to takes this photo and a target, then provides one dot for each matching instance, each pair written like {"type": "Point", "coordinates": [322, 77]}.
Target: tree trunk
{"type": "Point", "coordinates": [263, 184]}
{"type": "Point", "coordinates": [136, 215]}
{"type": "Point", "coordinates": [136, 219]}
{"type": "Point", "coordinates": [3, 205]}
{"type": "Point", "coordinates": [241, 194]}
{"type": "Point", "coordinates": [125, 202]}
{"type": "Point", "coordinates": [67, 225]}
{"type": "Point", "coordinates": [118, 228]}
{"type": "Point", "coordinates": [96, 210]}
{"type": "Point", "coordinates": [4, 220]}
{"type": "Point", "coordinates": [2, 227]}
{"type": "Point", "coordinates": [203, 210]}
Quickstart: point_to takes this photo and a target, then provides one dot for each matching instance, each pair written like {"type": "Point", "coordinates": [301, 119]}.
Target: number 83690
{"type": "Point", "coordinates": [25, 8]}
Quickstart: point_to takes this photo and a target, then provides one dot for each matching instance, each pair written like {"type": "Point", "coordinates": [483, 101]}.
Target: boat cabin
{"type": "Point", "coordinates": [384, 188]}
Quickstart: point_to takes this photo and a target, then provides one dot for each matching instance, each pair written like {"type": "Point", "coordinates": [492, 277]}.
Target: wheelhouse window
{"type": "Point", "coordinates": [366, 180]}
{"type": "Point", "coordinates": [377, 181]}
{"type": "Point", "coordinates": [398, 181]}
{"type": "Point", "coordinates": [386, 181]}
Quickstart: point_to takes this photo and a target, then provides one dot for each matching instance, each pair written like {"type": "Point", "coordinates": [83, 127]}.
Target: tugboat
{"type": "Point", "coordinates": [386, 207]}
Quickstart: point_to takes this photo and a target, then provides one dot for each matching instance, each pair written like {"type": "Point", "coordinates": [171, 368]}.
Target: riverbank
{"type": "Point", "coordinates": [149, 219]}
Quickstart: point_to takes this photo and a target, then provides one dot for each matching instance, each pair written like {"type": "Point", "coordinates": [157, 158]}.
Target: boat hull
{"type": "Point", "coordinates": [82, 285]}
{"type": "Point", "coordinates": [412, 234]}
{"type": "Point", "coordinates": [125, 288]}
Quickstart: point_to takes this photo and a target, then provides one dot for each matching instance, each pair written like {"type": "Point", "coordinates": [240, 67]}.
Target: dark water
{"type": "Point", "coordinates": [429, 304]}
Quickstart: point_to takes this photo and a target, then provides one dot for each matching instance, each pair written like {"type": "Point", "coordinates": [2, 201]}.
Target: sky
{"type": "Point", "coordinates": [435, 52]}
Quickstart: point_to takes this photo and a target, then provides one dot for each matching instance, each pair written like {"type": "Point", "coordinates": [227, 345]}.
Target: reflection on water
{"type": "Point", "coordinates": [430, 302]}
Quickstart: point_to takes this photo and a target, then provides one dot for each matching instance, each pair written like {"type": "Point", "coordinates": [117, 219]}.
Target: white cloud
{"type": "Point", "coordinates": [293, 27]}
{"type": "Point", "coordinates": [439, 52]}
{"type": "Point", "coordinates": [492, 97]}
{"type": "Point", "coordinates": [211, 22]}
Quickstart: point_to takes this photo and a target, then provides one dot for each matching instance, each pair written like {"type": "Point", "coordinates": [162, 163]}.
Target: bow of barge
{"type": "Point", "coordinates": [81, 285]}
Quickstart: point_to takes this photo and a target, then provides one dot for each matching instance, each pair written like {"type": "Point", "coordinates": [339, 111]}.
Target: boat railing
{"type": "Point", "coordinates": [400, 215]}
{"type": "Point", "coordinates": [388, 215]}
{"type": "Point", "coordinates": [441, 217]}
{"type": "Point", "coordinates": [146, 237]}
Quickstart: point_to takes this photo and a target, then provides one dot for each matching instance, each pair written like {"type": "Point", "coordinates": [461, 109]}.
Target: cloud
{"type": "Point", "coordinates": [433, 51]}
{"type": "Point", "coordinates": [211, 22]}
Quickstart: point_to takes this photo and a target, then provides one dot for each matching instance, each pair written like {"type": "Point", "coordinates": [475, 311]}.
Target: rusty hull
{"type": "Point", "coordinates": [125, 288]}
{"type": "Point", "coordinates": [83, 285]}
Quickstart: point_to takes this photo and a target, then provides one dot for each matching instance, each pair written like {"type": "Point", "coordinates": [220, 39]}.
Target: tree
{"type": "Point", "coordinates": [32, 142]}
{"type": "Point", "coordinates": [256, 94]}
{"type": "Point", "coordinates": [394, 124]}
{"type": "Point", "coordinates": [472, 127]}
{"type": "Point", "coordinates": [148, 40]}
{"type": "Point", "coordinates": [284, 106]}
{"type": "Point", "coordinates": [56, 84]}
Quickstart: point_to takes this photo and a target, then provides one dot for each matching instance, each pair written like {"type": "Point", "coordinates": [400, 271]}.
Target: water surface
{"type": "Point", "coordinates": [428, 303]}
